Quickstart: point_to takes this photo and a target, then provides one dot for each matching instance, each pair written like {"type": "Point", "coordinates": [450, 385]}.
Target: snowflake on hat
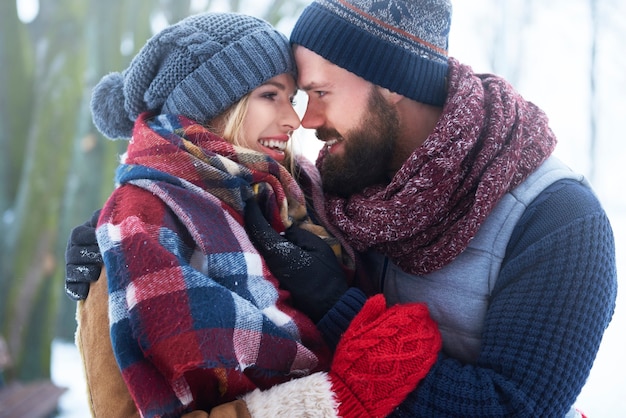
{"type": "Point", "coordinates": [396, 9]}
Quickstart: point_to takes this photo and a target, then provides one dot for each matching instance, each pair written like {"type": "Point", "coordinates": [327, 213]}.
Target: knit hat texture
{"type": "Point", "coordinates": [197, 68]}
{"type": "Point", "coordinates": [401, 45]}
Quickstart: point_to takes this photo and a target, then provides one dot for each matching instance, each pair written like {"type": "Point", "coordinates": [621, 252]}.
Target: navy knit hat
{"type": "Point", "coordinates": [401, 45]}
{"type": "Point", "coordinates": [196, 68]}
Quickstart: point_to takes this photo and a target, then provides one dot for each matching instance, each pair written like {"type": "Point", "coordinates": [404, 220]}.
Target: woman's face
{"type": "Point", "coordinates": [271, 118]}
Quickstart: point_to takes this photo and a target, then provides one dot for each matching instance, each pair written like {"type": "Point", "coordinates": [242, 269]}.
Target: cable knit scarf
{"type": "Point", "coordinates": [487, 141]}
{"type": "Point", "coordinates": [196, 317]}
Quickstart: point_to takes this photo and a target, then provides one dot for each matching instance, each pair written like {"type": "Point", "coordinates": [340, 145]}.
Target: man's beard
{"type": "Point", "coordinates": [368, 150]}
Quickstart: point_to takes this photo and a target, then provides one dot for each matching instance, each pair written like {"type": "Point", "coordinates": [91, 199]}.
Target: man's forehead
{"type": "Point", "coordinates": [314, 71]}
{"type": "Point", "coordinates": [306, 58]}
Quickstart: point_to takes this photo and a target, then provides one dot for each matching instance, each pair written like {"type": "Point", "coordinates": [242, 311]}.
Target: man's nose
{"type": "Point", "coordinates": [313, 117]}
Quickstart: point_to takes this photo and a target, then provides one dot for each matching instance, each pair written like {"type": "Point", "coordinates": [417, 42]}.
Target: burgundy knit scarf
{"type": "Point", "coordinates": [487, 141]}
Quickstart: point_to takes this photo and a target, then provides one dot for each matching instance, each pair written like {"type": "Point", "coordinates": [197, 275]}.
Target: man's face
{"type": "Point", "coordinates": [350, 115]}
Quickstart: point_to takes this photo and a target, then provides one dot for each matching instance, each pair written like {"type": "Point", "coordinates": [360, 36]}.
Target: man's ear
{"type": "Point", "coordinates": [391, 97]}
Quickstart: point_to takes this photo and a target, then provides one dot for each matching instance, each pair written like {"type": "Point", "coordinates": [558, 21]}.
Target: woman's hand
{"type": "Point", "coordinates": [301, 261]}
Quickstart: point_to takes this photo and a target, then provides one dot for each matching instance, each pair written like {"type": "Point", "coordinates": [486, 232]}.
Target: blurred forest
{"type": "Point", "coordinates": [55, 167]}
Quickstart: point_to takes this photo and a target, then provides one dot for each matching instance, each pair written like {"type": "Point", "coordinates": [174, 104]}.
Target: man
{"type": "Point", "coordinates": [444, 180]}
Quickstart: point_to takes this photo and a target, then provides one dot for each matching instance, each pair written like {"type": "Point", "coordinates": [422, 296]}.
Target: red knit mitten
{"type": "Point", "coordinates": [381, 358]}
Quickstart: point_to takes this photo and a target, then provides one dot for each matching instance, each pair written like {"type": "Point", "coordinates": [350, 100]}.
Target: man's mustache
{"type": "Point", "coordinates": [324, 134]}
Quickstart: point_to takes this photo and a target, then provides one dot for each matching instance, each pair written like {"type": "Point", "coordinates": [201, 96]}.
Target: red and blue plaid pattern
{"type": "Point", "coordinates": [196, 316]}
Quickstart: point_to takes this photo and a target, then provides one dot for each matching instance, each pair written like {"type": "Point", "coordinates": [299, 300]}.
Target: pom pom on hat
{"type": "Point", "coordinates": [397, 44]}
{"type": "Point", "coordinates": [107, 105]}
{"type": "Point", "coordinates": [196, 68]}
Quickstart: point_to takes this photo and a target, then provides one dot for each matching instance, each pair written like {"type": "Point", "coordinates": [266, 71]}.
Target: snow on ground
{"type": "Point", "coordinates": [67, 371]}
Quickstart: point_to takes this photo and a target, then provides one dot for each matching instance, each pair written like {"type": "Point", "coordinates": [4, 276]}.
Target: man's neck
{"type": "Point", "coordinates": [417, 121]}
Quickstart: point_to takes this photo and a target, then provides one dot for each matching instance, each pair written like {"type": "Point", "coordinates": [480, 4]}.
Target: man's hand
{"type": "Point", "coordinates": [83, 261]}
{"type": "Point", "coordinates": [303, 263]}
{"type": "Point", "coordinates": [382, 357]}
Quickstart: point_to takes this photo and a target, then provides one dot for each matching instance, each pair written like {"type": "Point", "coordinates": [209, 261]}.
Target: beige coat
{"type": "Point", "coordinates": [106, 391]}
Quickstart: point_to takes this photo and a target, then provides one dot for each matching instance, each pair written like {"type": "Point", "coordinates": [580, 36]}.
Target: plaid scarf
{"type": "Point", "coordinates": [487, 141]}
{"type": "Point", "coordinates": [196, 316]}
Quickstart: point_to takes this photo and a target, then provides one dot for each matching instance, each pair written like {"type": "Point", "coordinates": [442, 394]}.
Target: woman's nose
{"type": "Point", "coordinates": [291, 118]}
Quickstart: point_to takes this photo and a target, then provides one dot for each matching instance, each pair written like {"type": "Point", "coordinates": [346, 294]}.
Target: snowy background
{"type": "Point", "coordinates": [544, 49]}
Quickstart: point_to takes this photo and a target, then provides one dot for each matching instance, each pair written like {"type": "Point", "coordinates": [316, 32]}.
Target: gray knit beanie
{"type": "Point", "coordinates": [197, 68]}
{"type": "Point", "coordinates": [401, 45]}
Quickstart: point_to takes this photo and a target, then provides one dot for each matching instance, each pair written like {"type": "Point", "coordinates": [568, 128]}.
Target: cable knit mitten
{"type": "Point", "coordinates": [380, 359]}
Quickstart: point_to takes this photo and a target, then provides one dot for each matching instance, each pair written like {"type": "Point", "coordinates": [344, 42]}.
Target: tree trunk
{"type": "Point", "coordinates": [46, 128]}
{"type": "Point", "coordinates": [15, 101]}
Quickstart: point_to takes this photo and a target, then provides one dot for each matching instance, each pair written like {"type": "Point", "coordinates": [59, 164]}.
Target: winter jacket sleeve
{"type": "Point", "coordinates": [551, 304]}
{"type": "Point", "coordinates": [338, 318]}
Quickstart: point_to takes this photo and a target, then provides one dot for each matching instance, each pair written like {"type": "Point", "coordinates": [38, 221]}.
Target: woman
{"type": "Point", "coordinates": [196, 317]}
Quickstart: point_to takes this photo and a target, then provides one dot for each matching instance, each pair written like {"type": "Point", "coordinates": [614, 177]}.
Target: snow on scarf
{"type": "Point", "coordinates": [196, 317]}
{"type": "Point", "coordinates": [487, 141]}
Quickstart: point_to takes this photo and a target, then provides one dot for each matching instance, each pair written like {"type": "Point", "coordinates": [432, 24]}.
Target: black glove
{"type": "Point", "coordinates": [83, 261]}
{"type": "Point", "coordinates": [302, 262]}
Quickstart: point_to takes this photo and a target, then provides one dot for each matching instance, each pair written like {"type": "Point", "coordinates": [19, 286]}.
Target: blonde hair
{"type": "Point", "coordinates": [233, 118]}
